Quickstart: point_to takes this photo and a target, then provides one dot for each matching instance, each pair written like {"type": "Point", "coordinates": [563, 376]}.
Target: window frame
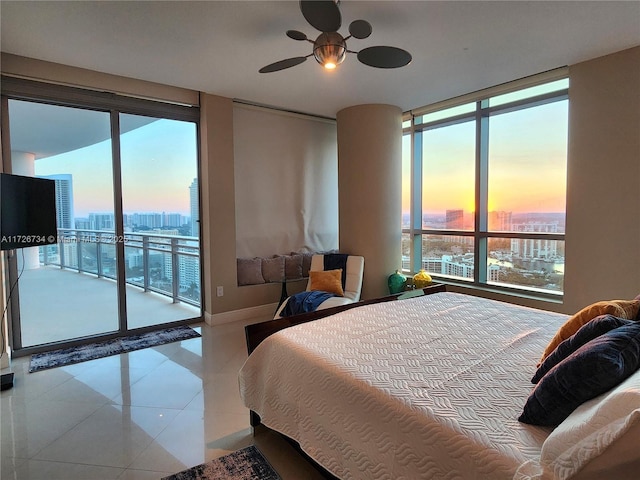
{"type": "Point", "coordinates": [413, 126]}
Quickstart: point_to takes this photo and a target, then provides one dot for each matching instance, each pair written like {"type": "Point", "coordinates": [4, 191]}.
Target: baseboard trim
{"type": "Point", "coordinates": [260, 312]}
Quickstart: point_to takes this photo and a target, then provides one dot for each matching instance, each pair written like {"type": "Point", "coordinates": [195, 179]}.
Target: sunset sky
{"type": "Point", "coordinates": [527, 163]}
{"type": "Point", "coordinates": [158, 165]}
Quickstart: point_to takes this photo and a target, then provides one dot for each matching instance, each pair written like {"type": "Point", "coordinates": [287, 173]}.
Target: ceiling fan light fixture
{"type": "Point", "coordinates": [330, 50]}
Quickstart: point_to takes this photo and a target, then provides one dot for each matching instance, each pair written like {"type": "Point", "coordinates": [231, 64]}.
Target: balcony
{"type": "Point", "coordinates": [73, 293]}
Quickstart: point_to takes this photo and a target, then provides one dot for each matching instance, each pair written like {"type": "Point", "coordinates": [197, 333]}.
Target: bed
{"type": "Point", "coordinates": [432, 387]}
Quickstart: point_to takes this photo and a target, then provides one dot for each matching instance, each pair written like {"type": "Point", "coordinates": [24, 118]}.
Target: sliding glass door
{"type": "Point", "coordinates": [160, 205]}
{"type": "Point", "coordinates": [127, 255]}
{"type": "Point", "coordinates": [67, 290]}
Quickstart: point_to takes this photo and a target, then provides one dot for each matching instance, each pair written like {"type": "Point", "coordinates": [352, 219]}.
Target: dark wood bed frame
{"type": "Point", "coordinates": [257, 332]}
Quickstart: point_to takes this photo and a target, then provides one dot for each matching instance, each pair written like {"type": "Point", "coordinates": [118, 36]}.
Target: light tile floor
{"type": "Point", "coordinates": [141, 415]}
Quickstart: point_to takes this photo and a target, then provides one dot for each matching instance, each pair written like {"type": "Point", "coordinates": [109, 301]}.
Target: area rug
{"type": "Point", "coordinates": [244, 464]}
{"type": "Point", "coordinates": [68, 356]}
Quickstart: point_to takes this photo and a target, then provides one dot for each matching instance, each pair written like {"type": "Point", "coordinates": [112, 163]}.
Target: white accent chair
{"type": "Point", "coordinates": [352, 284]}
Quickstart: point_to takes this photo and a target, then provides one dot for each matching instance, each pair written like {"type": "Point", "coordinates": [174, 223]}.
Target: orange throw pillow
{"type": "Point", "coordinates": [326, 281]}
{"type": "Point", "coordinates": [627, 309]}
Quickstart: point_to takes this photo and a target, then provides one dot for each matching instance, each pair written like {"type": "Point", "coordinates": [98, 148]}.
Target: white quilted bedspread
{"type": "Point", "coordinates": [423, 388]}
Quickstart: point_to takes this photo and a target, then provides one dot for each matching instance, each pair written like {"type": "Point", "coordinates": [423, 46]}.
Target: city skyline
{"type": "Point", "coordinates": [132, 221]}
{"type": "Point", "coordinates": [158, 166]}
{"type": "Point", "coordinates": [497, 220]}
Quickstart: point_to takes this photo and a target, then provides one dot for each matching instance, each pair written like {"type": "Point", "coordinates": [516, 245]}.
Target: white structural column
{"type": "Point", "coordinates": [23, 163]}
{"type": "Point", "coordinates": [369, 185]}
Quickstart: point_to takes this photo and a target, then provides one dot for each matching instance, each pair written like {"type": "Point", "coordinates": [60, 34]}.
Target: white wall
{"type": "Point", "coordinates": [603, 172]}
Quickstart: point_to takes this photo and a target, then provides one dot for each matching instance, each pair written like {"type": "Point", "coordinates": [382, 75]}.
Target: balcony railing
{"type": "Point", "coordinates": [165, 264]}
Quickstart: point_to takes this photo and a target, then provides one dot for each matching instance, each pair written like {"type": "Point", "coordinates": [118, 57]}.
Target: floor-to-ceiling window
{"type": "Point", "coordinates": [127, 254]}
{"type": "Point", "coordinates": [63, 143]}
{"type": "Point", "coordinates": [484, 188]}
{"type": "Point", "coordinates": [159, 189]}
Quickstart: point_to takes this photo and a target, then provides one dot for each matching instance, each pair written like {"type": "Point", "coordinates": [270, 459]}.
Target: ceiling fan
{"type": "Point", "coordinates": [330, 48]}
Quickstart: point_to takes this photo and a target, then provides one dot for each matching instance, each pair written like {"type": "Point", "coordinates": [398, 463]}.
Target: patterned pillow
{"type": "Point", "coordinates": [593, 369]}
{"type": "Point", "coordinates": [326, 281]}
{"type": "Point", "coordinates": [627, 309]}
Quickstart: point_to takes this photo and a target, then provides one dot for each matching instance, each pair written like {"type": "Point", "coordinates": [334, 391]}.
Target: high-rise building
{"type": "Point", "coordinates": [101, 221]}
{"type": "Point", "coordinates": [64, 199]}
{"type": "Point", "coordinates": [188, 271]}
{"type": "Point", "coordinates": [455, 219]}
{"type": "Point", "coordinates": [149, 220]}
{"type": "Point", "coordinates": [195, 211]}
{"type": "Point", "coordinates": [82, 223]}
{"type": "Point", "coordinates": [535, 248]}
{"type": "Point", "coordinates": [171, 220]}
{"type": "Point", "coordinates": [500, 221]}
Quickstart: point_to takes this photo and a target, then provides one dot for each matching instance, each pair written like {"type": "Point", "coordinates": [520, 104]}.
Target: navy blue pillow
{"type": "Point", "coordinates": [590, 330]}
{"type": "Point", "coordinates": [591, 370]}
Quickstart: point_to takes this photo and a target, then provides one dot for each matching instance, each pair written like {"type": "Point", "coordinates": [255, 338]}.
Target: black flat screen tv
{"type": "Point", "coordinates": [27, 211]}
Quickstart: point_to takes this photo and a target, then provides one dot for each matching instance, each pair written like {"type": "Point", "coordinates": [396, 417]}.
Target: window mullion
{"type": "Point", "coordinates": [415, 234]}
{"type": "Point", "coordinates": [118, 216]}
{"type": "Point", "coordinates": [482, 195]}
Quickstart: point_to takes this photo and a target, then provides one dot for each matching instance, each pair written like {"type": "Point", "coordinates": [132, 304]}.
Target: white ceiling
{"type": "Point", "coordinates": [217, 47]}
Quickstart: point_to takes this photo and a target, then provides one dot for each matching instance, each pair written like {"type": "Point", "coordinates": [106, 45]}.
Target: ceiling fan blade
{"type": "Point", "coordinates": [360, 29]}
{"type": "Point", "coordinates": [384, 57]}
{"type": "Point", "coordinates": [296, 35]}
{"type": "Point", "coordinates": [282, 64]}
{"type": "Point", "coordinates": [322, 15]}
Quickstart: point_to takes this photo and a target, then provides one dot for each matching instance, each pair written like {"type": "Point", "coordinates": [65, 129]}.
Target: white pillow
{"type": "Point", "coordinates": [588, 432]}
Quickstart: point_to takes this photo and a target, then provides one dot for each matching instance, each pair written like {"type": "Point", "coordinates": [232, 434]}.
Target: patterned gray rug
{"type": "Point", "coordinates": [244, 464]}
{"type": "Point", "coordinates": [68, 356]}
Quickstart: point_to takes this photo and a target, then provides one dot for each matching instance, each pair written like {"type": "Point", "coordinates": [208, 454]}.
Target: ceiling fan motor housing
{"type": "Point", "coordinates": [330, 49]}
